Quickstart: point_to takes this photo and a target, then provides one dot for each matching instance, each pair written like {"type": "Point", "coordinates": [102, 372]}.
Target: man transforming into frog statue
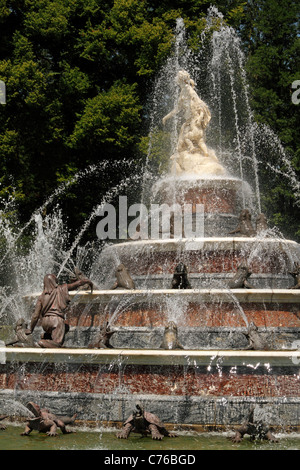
{"type": "Point", "coordinates": [50, 308]}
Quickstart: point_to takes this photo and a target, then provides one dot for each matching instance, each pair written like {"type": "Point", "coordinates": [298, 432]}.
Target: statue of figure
{"type": "Point", "coordinates": [244, 228]}
{"type": "Point", "coordinates": [50, 307]}
{"type": "Point", "coordinates": [256, 428]}
{"type": "Point", "coordinates": [240, 279]}
{"type": "Point", "coordinates": [192, 154]}
{"type": "Point", "coordinates": [21, 338]}
{"type": "Point", "coordinates": [180, 277]}
{"type": "Point", "coordinates": [296, 276]}
{"type": "Point", "coordinates": [102, 341]}
{"type": "Point", "coordinates": [261, 223]}
{"type": "Point", "coordinates": [124, 280]}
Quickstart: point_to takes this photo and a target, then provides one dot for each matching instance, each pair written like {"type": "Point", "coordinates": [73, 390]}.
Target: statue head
{"type": "Point", "coordinates": [245, 215]}
{"type": "Point", "coordinates": [50, 283]}
{"type": "Point", "coordinates": [183, 78]}
{"type": "Point", "coordinates": [172, 326]}
{"type": "Point", "coordinates": [138, 411]}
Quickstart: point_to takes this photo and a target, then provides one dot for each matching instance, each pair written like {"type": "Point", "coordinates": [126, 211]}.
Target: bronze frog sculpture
{"type": "Point", "coordinates": [240, 279]}
{"type": "Point", "coordinates": [78, 275]}
{"type": "Point", "coordinates": [144, 423]}
{"type": "Point", "coordinates": [124, 280]}
{"type": "Point", "coordinates": [244, 228]}
{"type": "Point", "coordinates": [170, 338]}
{"type": "Point", "coordinates": [45, 421]}
{"type": "Point", "coordinates": [261, 223]}
{"type": "Point", "coordinates": [180, 277]}
{"type": "Point", "coordinates": [104, 336]}
{"type": "Point", "coordinates": [296, 276]}
{"type": "Point", "coordinates": [22, 338]}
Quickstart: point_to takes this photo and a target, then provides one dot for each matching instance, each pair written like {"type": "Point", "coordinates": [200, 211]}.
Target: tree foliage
{"type": "Point", "coordinates": [77, 74]}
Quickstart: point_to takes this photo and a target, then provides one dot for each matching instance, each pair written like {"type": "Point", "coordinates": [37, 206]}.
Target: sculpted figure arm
{"type": "Point", "coordinates": [38, 308]}
{"type": "Point", "coordinates": [75, 285]}
{"type": "Point", "coordinates": [170, 115]}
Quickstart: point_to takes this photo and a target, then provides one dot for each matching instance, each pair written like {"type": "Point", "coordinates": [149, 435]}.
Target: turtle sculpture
{"type": "Point", "coordinates": [47, 422]}
{"type": "Point", "coordinates": [2, 426]}
{"type": "Point", "coordinates": [144, 423]}
{"type": "Point", "coordinates": [255, 428]}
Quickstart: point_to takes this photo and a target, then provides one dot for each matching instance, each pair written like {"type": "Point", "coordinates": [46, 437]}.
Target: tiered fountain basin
{"type": "Point", "coordinates": [218, 194]}
{"type": "Point", "coordinates": [210, 261]}
{"type": "Point", "coordinates": [220, 198]}
{"type": "Point", "coordinates": [214, 380]}
{"type": "Point", "coordinates": [206, 318]}
{"type": "Point", "coordinates": [202, 389]}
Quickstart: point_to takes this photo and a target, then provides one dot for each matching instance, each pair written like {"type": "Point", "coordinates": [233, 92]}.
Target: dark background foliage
{"type": "Point", "coordinates": [78, 73]}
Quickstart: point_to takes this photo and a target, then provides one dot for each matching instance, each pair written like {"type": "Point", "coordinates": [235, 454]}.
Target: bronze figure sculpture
{"type": "Point", "coordinates": [46, 422]}
{"type": "Point", "coordinates": [2, 426]}
{"type": "Point", "coordinates": [170, 338]}
{"type": "Point", "coordinates": [261, 223]}
{"type": "Point", "coordinates": [102, 341]}
{"type": "Point", "coordinates": [78, 275]}
{"type": "Point", "coordinates": [22, 338]}
{"type": "Point", "coordinates": [124, 280]}
{"type": "Point", "coordinates": [256, 429]}
{"type": "Point", "coordinates": [244, 227]}
{"type": "Point", "coordinates": [144, 423]}
{"type": "Point", "coordinates": [180, 278]}
{"type": "Point", "coordinates": [296, 276]}
{"type": "Point", "coordinates": [51, 307]}
{"type": "Point", "coordinates": [255, 339]}
{"type": "Point", "coordinates": [240, 279]}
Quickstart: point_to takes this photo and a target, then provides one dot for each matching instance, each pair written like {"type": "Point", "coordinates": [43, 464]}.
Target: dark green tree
{"type": "Point", "coordinates": [78, 74]}
{"type": "Point", "coordinates": [270, 34]}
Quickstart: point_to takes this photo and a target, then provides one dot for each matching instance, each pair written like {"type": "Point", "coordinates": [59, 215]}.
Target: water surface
{"type": "Point", "coordinates": [10, 439]}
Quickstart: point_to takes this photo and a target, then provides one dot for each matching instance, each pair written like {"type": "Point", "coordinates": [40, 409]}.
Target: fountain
{"type": "Point", "coordinates": [212, 377]}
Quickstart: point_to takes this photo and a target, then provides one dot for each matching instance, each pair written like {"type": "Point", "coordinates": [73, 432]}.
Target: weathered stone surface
{"type": "Point", "coordinates": [210, 412]}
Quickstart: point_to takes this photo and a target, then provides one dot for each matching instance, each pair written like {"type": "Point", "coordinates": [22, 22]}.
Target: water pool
{"type": "Point", "coordinates": [10, 439]}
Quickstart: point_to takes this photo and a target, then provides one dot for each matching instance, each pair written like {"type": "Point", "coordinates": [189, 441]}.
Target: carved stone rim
{"type": "Point", "coordinates": [151, 356]}
{"type": "Point", "coordinates": [289, 296]}
{"type": "Point", "coordinates": [226, 243]}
